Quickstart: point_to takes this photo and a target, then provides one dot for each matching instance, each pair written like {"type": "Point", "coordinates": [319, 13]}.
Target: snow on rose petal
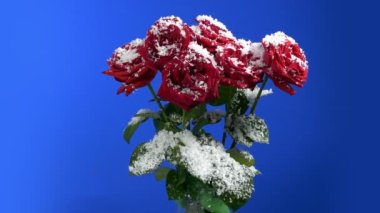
{"type": "Point", "coordinates": [241, 64]}
{"type": "Point", "coordinates": [127, 66]}
{"type": "Point", "coordinates": [212, 33]}
{"type": "Point", "coordinates": [191, 79]}
{"type": "Point", "coordinates": [286, 60]}
{"type": "Point", "coordinates": [165, 39]}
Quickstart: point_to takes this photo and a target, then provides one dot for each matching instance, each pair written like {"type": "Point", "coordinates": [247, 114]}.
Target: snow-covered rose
{"type": "Point", "coordinates": [128, 67]}
{"type": "Point", "coordinates": [165, 39]}
{"type": "Point", "coordinates": [286, 60]}
{"type": "Point", "coordinates": [211, 33]}
{"type": "Point", "coordinates": [242, 64]}
{"type": "Point", "coordinates": [191, 79]}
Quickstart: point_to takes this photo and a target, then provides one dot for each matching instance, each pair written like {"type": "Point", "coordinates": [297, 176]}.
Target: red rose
{"type": "Point", "coordinates": [286, 60]}
{"type": "Point", "coordinates": [190, 79]}
{"type": "Point", "coordinates": [166, 39]}
{"type": "Point", "coordinates": [242, 64]}
{"type": "Point", "coordinates": [211, 33]}
{"type": "Point", "coordinates": [128, 67]}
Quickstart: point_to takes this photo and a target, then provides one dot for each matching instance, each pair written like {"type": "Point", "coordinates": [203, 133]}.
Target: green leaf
{"type": "Point", "coordinates": [208, 118]}
{"type": "Point", "coordinates": [174, 113]}
{"type": "Point", "coordinates": [140, 117]}
{"type": "Point", "coordinates": [139, 152]}
{"type": "Point", "coordinates": [233, 202]}
{"type": "Point", "coordinates": [239, 103]}
{"type": "Point", "coordinates": [158, 124]}
{"type": "Point", "coordinates": [161, 173]}
{"type": "Point", "coordinates": [225, 95]}
{"type": "Point", "coordinates": [196, 112]}
{"type": "Point", "coordinates": [244, 158]}
{"type": "Point", "coordinates": [213, 204]}
{"type": "Point", "coordinates": [174, 188]}
{"type": "Point", "coordinates": [246, 129]}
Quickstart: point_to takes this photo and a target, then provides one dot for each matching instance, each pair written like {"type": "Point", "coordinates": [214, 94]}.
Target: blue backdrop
{"type": "Point", "coordinates": [61, 148]}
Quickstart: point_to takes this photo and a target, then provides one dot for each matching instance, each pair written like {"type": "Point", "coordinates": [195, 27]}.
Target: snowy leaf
{"type": "Point", "coordinates": [141, 116]}
{"type": "Point", "coordinates": [243, 157]}
{"type": "Point", "coordinates": [148, 156]}
{"type": "Point", "coordinates": [208, 118]}
{"type": "Point", "coordinates": [239, 103]}
{"type": "Point", "coordinates": [209, 162]}
{"type": "Point", "coordinates": [174, 113]}
{"type": "Point", "coordinates": [251, 95]}
{"type": "Point", "coordinates": [213, 204]}
{"type": "Point", "coordinates": [246, 129]}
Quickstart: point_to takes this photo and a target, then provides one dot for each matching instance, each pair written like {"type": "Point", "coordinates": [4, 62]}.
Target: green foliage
{"type": "Point", "coordinates": [242, 157]}
{"type": "Point", "coordinates": [213, 204]}
{"type": "Point", "coordinates": [225, 95]}
{"type": "Point", "coordinates": [196, 112]}
{"type": "Point", "coordinates": [211, 117]}
{"type": "Point", "coordinates": [246, 129]}
{"type": "Point", "coordinates": [139, 151]}
{"type": "Point", "coordinates": [136, 121]}
{"type": "Point", "coordinates": [161, 173]}
{"type": "Point", "coordinates": [239, 103]}
{"type": "Point", "coordinates": [174, 185]}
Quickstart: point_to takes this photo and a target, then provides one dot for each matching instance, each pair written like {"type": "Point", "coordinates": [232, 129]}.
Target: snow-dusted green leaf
{"type": "Point", "coordinates": [148, 156]}
{"type": "Point", "coordinates": [213, 204]}
{"type": "Point", "coordinates": [246, 129]}
{"type": "Point", "coordinates": [243, 157]}
{"type": "Point", "coordinates": [208, 118]}
{"type": "Point", "coordinates": [239, 103]}
{"type": "Point", "coordinates": [235, 202]}
{"type": "Point", "coordinates": [141, 116]}
{"type": "Point", "coordinates": [209, 162]}
{"type": "Point", "coordinates": [251, 95]}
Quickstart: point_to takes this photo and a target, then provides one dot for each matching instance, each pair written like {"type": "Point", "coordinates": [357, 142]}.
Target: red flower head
{"type": "Point", "coordinates": [128, 67]}
{"type": "Point", "coordinates": [286, 60]}
{"type": "Point", "coordinates": [191, 79]}
{"type": "Point", "coordinates": [166, 39]}
{"type": "Point", "coordinates": [242, 64]}
{"type": "Point", "coordinates": [211, 33]}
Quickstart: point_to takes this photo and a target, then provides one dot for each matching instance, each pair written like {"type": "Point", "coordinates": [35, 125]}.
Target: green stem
{"type": "Point", "coordinates": [233, 144]}
{"type": "Point", "coordinates": [224, 137]}
{"type": "Point", "coordinates": [183, 119]}
{"type": "Point", "coordinates": [158, 102]}
{"type": "Point", "coordinates": [252, 111]}
{"type": "Point", "coordinates": [258, 95]}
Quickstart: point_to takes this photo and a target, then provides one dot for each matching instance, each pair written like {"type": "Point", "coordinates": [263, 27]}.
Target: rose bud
{"type": "Point", "coordinates": [242, 64]}
{"type": "Point", "coordinates": [211, 33]}
{"type": "Point", "coordinates": [191, 79]}
{"type": "Point", "coordinates": [127, 66]}
{"type": "Point", "coordinates": [286, 61]}
{"type": "Point", "coordinates": [166, 39]}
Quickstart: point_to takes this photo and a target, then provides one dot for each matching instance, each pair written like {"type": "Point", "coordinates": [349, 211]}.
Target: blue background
{"type": "Point", "coordinates": [61, 148]}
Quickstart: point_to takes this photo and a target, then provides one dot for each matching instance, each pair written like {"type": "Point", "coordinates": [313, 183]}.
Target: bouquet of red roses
{"type": "Point", "coordinates": [204, 66]}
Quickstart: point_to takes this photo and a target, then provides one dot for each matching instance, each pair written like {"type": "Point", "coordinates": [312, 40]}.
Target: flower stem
{"type": "Point", "coordinates": [158, 102]}
{"type": "Point", "coordinates": [252, 111]}
{"type": "Point", "coordinates": [183, 119]}
{"type": "Point", "coordinates": [233, 144]}
{"type": "Point", "coordinates": [224, 137]}
{"type": "Point", "coordinates": [258, 95]}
